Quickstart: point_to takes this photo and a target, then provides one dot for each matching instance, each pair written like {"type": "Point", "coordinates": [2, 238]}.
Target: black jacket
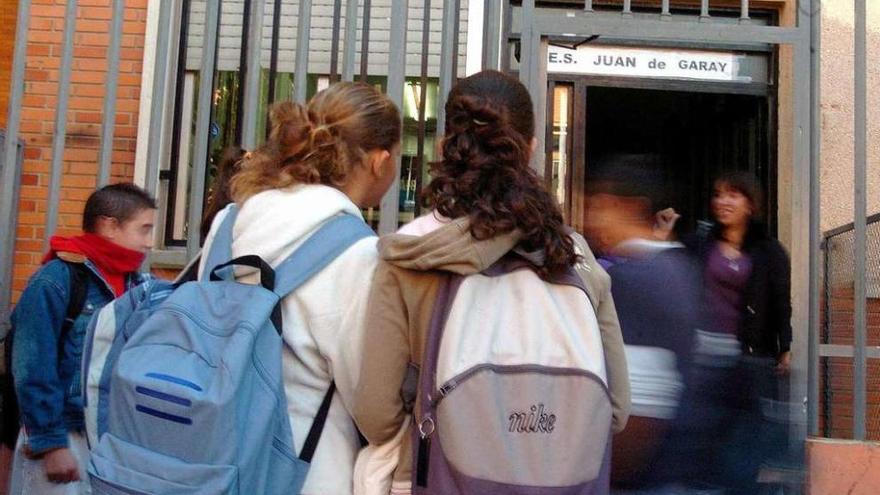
{"type": "Point", "coordinates": [765, 323]}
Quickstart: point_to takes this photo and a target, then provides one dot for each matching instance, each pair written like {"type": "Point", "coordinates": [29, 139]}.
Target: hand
{"type": "Point", "coordinates": [664, 223]}
{"type": "Point", "coordinates": [61, 466]}
{"type": "Point", "coordinates": [783, 363]}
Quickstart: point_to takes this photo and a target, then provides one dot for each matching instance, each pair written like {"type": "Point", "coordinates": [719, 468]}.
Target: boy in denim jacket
{"type": "Point", "coordinates": [51, 454]}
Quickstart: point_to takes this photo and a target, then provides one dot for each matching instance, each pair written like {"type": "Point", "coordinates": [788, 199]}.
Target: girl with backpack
{"type": "Point", "coordinates": [332, 156]}
{"type": "Point", "coordinates": [491, 323]}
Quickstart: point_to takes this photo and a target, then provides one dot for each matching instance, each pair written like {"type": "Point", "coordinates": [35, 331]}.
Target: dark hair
{"type": "Point", "coordinates": [484, 172]}
{"type": "Point", "coordinates": [629, 176]}
{"type": "Point", "coordinates": [221, 195]}
{"type": "Point", "coordinates": [120, 201]}
{"type": "Point", "coordinates": [746, 184]}
{"type": "Point", "coordinates": [319, 142]}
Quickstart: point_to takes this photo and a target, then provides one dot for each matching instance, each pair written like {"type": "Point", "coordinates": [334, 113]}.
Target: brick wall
{"type": "Point", "coordinates": [84, 116]}
{"type": "Point", "coordinates": [8, 13]}
{"type": "Point", "coordinates": [836, 382]}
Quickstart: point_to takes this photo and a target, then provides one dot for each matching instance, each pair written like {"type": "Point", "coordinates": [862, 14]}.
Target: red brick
{"type": "Point", "coordinates": [29, 180]}
{"type": "Point", "coordinates": [97, 12]}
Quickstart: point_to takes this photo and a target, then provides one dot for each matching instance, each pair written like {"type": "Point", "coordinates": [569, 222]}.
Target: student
{"type": "Point", "coordinates": [495, 259]}
{"type": "Point", "coordinates": [656, 289]}
{"type": "Point", "coordinates": [334, 155]}
{"type": "Point", "coordinates": [744, 349]}
{"type": "Point", "coordinates": [79, 275]}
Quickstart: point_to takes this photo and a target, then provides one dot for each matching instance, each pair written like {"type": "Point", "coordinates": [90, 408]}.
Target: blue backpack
{"type": "Point", "coordinates": [183, 388]}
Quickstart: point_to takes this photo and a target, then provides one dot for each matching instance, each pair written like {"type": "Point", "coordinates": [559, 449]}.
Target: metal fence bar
{"type": "Point", "coordinates": [11, 172]}
{"type": "Point", "coordinates": [242, 68]}
{"type": "Point", "coordinates": [157, 104]}
{"type": "Point", "coordinates": [177, 120]}
{"type": "Point", "coordinates": [349, 48]}
{"type": "Point", "coordinates": [492, 34]}
{"type": "Point", "coordinates": [365, 40]}
{"type": "Point", "coordinates": [704, 9]}
{"type": "Point", "coordinates": [813, 391]}
{"type": "Point", "coordinates": [423, 102]}
{"type": "Point", "coordinates": [9, 178]}
{"type": "Point", "coordinates": [448, 51]}
{"type": "Point", "coordinates": [59, 135]}
{"type": "Point", "coordinates": [388, 214]}
{"type": "Point", "coordinates": [301, 65]}
{"type": "Point", "coordinates": [334, 41]}
{"type": "Point", "coordinates": [108, 124]}
{"type": "Point", "coordinates": [744, 10]}
{"type": "Point", "coordinates": [251, 104]}
{"type": "Point", "coordinates": [860, 218]}
{"type": "Point", "coordinates": [60, 131]}
{"type": "Point", "coordinates": [627, 8]}
{"type": "Point", "coordinates": [664, 9]}
{"type": "Point", "coordinates": [588, 5]}
{"type": "Point", "coordinates": [527, 13]}
{"type": "Point", "coordinates": [581, 24]}
{"type": "Point", "coordinates": [273, 57]}
{"type": "Point", "coordinates": [203, 124]}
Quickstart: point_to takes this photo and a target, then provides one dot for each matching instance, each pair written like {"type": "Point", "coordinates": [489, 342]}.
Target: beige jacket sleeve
{"type": "Point", "coordinates": [378, 407]}
{"type": "Point", "coordinates": [599, 286]}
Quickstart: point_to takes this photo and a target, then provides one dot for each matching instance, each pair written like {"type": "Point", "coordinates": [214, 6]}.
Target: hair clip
{"type": "Point", "coordinates": [480, 122]}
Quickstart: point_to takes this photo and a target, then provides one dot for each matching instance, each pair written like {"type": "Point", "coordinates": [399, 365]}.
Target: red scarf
{"type": "Point", "coordinates": [113, 261]}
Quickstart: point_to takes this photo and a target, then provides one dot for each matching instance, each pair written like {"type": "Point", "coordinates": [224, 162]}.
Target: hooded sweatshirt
{"type": "Point", "coordinates": [323, 319]}
{"type": "Point", "coordinates": [405, 287]}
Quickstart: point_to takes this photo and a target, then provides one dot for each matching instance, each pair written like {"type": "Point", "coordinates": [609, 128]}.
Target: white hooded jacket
{"type": "Point", "coordinates": [323, 319]}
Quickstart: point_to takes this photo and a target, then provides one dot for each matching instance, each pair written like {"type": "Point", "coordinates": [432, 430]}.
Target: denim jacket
{"type": "Point", "coordinates": [48, 385]}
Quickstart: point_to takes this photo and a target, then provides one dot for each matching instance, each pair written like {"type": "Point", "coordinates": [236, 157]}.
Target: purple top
{"type": "Point", "coordinates": [726, 282]}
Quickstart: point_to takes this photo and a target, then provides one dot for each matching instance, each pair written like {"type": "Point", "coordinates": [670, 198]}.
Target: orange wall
{"type": "Point", "coordinates": [84, 116]}
{"type": "Point", "coordinates": [843, 467]}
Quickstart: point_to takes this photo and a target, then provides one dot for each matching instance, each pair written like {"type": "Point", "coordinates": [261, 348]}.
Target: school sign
{"type": "Point", "coordinates": [645, 62]}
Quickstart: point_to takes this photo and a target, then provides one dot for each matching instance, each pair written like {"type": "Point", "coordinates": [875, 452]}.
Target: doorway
{"type": "Point", "coordinates": [696, 136]}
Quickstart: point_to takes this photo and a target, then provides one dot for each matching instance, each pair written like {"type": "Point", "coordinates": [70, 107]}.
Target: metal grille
{"type": "Point", "coordinates": [838, 368]}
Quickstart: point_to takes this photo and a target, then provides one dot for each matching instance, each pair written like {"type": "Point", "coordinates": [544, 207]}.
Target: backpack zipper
{"type": "Point", "coordinates": [455, 381]}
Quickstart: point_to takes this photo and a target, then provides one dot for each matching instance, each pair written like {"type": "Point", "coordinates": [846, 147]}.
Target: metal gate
{"type": "Point", "coordinates": [660, 22]}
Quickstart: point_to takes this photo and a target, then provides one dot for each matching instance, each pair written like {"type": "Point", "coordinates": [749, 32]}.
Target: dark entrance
{"type": "Point", "coordinates": [697, 135]}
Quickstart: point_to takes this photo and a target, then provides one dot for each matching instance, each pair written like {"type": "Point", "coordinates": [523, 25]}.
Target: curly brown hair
{"type": "Point", "coordinates": [484, 172]}
{"type": "Point", "coordinates": [319, 142]}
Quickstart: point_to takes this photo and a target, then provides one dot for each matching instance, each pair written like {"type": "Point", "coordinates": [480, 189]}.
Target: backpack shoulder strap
{"type": "Point", "coordinates": [79, 276]}
{"type": "Point", "coordinates": [221, 246]}
{"type": "Point", "coordinates": [318, 251]}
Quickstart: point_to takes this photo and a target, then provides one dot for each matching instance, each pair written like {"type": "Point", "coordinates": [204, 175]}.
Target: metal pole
{"type": "Point", "coordinates": [491, 34]}
{"type": "Point", "coordinates": [704, 9]}
{"type": "Point", "coordinates": [665, 13]}
{"type": "Point", "coordinates": [177, 118]}
{"type": "Point", "coordinates": [203, 125]}
{"type": "Point", "coordinates": [815, 237]}
{"type": "Point", "coordinates": [301, 65]}
{"type": "Point", "coordinates": [334, 41]}
{"type": "Point", "coordinates": [242, 69]}
{"type": "Point", "coordinates": [10, 177]}
{"type": "Point", "coordinates": [60, 132]}
{"type": "Point", "coordinates": [158, 104]}
{"type": "Point", "coordinates": [365, 41]}
{"type": "Point", "coordinates": [423, 102]}
{"type": "Point", "coordinates": [860, 179]}
{"type": "Point", "coordinates": [350, 45]}
{"type": "Point", "coordinates": [588, 5]}
{"type": "Point", "coordinates": [527, 48]}
{"type": "Point", "coordinates": [251, 105]}
{"type": "Point", "coordinates": [627, 8]}
{"type": "Point", "coordinates": [448, 50]}
{"type": "Point", "coordinates": [109, 120]}
{"type": "Point", "coordinates": [388, 213]}
{"type": "Point", "coordinates": [273, 57]}
{"type": "Point", "coordinates": [744, 10]}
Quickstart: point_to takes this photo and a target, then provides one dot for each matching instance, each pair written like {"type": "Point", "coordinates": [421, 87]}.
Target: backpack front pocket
{"type": "Point", "coordinates": [149, 473]}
